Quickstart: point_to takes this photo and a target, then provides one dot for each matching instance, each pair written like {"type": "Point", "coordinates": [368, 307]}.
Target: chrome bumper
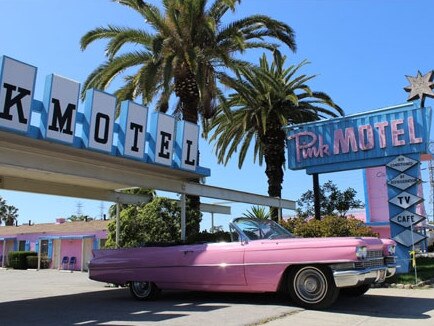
{"type": "Point", "coordinates": [364, 276]}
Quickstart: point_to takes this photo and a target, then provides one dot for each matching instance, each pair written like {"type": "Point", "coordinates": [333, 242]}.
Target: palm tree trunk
{"type": "Point", "coordinates": [187, 90]}
{"type": "Point", "coordinates": [274, 154]}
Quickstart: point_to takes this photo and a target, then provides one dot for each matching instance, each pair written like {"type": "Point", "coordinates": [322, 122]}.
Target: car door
{"type": "Point", "coordinates": [213, 264]}
{"type": "Point", "coordinates": [265, 262]}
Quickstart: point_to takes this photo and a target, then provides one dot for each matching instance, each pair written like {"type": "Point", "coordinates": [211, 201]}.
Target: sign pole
{"type": "Point", "coordinates": [316, 191]}
{"type": "Point", "coordinates": [413, 257]}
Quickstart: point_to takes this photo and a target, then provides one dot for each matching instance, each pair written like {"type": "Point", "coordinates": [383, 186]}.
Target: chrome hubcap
{"type": "Point", "coordinates": [141, 289]}
{"type": "Point", "coordinates": [310, 285]}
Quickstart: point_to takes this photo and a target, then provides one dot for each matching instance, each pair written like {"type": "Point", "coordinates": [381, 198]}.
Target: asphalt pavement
{"type": "Point", "coordinates": [51, 297]}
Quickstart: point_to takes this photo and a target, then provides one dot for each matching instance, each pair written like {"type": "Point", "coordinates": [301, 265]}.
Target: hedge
{"type": "Point", "coordinates": [32, 262]}
{"type": "Point", "coordinates": [18, 259]}
{"type": "Point", "coordinates": [328, 226]}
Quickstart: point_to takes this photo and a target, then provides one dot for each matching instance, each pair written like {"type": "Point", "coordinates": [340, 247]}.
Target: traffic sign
{"type": "Point", "coordinates": [407, 238]}
{"type": "Point", "coordinates": [405, 200]}
{"type": "Point", "coordinates": [403, 181]}
{"type": "Point", "coordinates": [406, 218]}
{"type": "Point", "coordinates": [401, 163]}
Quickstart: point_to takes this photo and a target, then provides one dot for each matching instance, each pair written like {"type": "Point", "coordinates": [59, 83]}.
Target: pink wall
{"type": "Point", "coordinates": [376, 193]}
{"type": "Point", "coordinates": [72, 248]}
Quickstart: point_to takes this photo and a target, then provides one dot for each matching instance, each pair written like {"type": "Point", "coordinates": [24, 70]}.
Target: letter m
{"type": "Point", "coordinates": [62, 122]}
{"type": "Point", "coordinates": [343, 143]}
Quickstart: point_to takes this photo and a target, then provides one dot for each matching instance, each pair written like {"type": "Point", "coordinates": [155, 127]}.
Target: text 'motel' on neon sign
{"type": "Point", "coordinates": [136, 134]}
{"type": "Point", "coordinates": [358, 141]}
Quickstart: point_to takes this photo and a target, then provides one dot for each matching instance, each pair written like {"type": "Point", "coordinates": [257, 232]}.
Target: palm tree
{"type": "Point", "coordinates": [184, 55]}
{"type": "Point", "coordinates": [266, 99]}
{"type": "Point", "coordinates": [2, 209]}
{"type": "Point", "coordinates": [188, 50]}
{"type": "Point", "coordinates": [11, 215]}
{"type": "Point", "coordinates": [257, 212]}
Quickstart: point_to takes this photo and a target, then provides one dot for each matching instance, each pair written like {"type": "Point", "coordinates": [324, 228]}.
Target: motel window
{"type": "Point", "coordinates": [22, 245]}
{"type": "Point", "coordinates": [44, 248]}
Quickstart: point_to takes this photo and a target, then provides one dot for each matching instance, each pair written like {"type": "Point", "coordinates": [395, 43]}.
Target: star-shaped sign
{"type": "Point", "coordinates": [420, 86]}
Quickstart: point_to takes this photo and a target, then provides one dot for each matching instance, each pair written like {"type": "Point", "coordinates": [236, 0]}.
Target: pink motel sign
{"type": "Point", "coordinates": [358, 141]}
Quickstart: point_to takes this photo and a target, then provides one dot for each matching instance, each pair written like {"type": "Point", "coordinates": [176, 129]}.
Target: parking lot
{"type": "Point", "coordinates": [51, 297]}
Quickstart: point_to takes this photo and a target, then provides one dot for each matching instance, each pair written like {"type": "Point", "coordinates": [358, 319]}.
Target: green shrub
{"type": "Point", "coordinates": [329, 226]}
{"type": "Point", "coordinates": [159, 221]}
{"type": "Point", "coordinates": [32, 262]}
{"type": "Point", "coordinates": [45, 262]}
{"type": "Point", "coordinates": [18, 259]}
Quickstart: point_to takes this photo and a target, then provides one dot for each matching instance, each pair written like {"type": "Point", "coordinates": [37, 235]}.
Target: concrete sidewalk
{"type": "Point", "coordinates": [51, 297]}
{"type": "Point", "coordinates": [32, 284]}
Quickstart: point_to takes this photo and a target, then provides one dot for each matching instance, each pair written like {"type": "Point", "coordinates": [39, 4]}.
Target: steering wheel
{"type": "Point", "coordinates": [271, 235]}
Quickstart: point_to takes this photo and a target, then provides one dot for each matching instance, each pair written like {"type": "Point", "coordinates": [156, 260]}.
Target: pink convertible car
{"type": "Point", "coordinates": [262, 257]}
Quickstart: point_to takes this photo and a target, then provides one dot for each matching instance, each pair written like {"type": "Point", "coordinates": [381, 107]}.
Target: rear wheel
{"type": "Point", "coordinates": [312, 287]}
{"type": "Point", "coordinates": [144, 290]}
{"type": "Point", "coordinates": [356, 291]}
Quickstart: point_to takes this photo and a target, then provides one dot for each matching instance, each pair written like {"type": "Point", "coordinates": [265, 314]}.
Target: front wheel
{"type": "Point", "coordinates": [312, 287]}
{"type": "Point", "coordinates": [144, 290]}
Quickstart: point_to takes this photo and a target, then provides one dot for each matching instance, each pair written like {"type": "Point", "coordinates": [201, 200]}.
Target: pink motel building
{"type": "Point", "coordinates": [58, 241]}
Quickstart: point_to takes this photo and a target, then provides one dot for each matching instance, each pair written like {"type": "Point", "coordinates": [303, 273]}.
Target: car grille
{"type": "Point", "coordinates": [375, 254]}
{"type": "Point", "coordinates": [374, 259]}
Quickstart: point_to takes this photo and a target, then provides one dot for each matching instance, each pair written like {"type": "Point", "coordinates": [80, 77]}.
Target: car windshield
{"type": "Point", "coordinates": [255, 229]}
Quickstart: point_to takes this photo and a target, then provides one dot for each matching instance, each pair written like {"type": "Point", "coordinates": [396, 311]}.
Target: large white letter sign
{"type": "Point", "coordinates": [132, 130]}
{"type": "Point", "coordinates": [58, 118]}
{"type": "Point", "coordinates": [60, 109]}
{"type": "Point", "coordinates": [162, 132]}
{"type": "Point", "coordinates": [186, 147]}
{"type": "Point", "coordinates": [99, 113]}
{"type": "Point", "coordinates": [17, 83]}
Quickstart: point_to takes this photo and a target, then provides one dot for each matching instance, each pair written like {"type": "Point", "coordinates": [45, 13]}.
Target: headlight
{"type": "Point", "coordinates": [361, 252]}
{"type": "Point", "coordinates": [391, 250]}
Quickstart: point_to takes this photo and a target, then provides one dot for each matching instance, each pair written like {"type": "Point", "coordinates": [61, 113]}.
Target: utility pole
{"type": "Point", "coordinates": [79, 211]}
{"type": "Point", "coordinates": [101, 210]}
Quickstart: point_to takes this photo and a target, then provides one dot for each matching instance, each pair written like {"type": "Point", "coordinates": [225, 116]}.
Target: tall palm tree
{"type": "Point", "coordinates": [187, 51]}
{"type": "Point", "coordinates": [188, 48]}
{"type": "Point", "coordinates": [266, 99]}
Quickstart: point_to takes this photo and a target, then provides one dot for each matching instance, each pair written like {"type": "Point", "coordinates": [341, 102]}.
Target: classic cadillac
{"type": "Point", "coordinates": [261, 257]}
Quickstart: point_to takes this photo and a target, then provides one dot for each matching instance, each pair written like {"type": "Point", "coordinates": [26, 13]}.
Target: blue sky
{"type": "Point", "coordinates": [360, 50]}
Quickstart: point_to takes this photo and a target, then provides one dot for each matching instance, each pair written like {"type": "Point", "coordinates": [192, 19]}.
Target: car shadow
{"type": "Point", "coordinates": [113, 307]}
{"type": "Point", "coordinates": [116, 307]}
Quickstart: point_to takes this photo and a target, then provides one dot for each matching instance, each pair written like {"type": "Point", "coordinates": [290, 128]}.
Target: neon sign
{"type": "Point", "coordinates": [357, 141]}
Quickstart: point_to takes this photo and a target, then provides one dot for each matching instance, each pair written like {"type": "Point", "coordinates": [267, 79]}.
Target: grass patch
{"type": "Point", "coordinates": [425, 271]}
